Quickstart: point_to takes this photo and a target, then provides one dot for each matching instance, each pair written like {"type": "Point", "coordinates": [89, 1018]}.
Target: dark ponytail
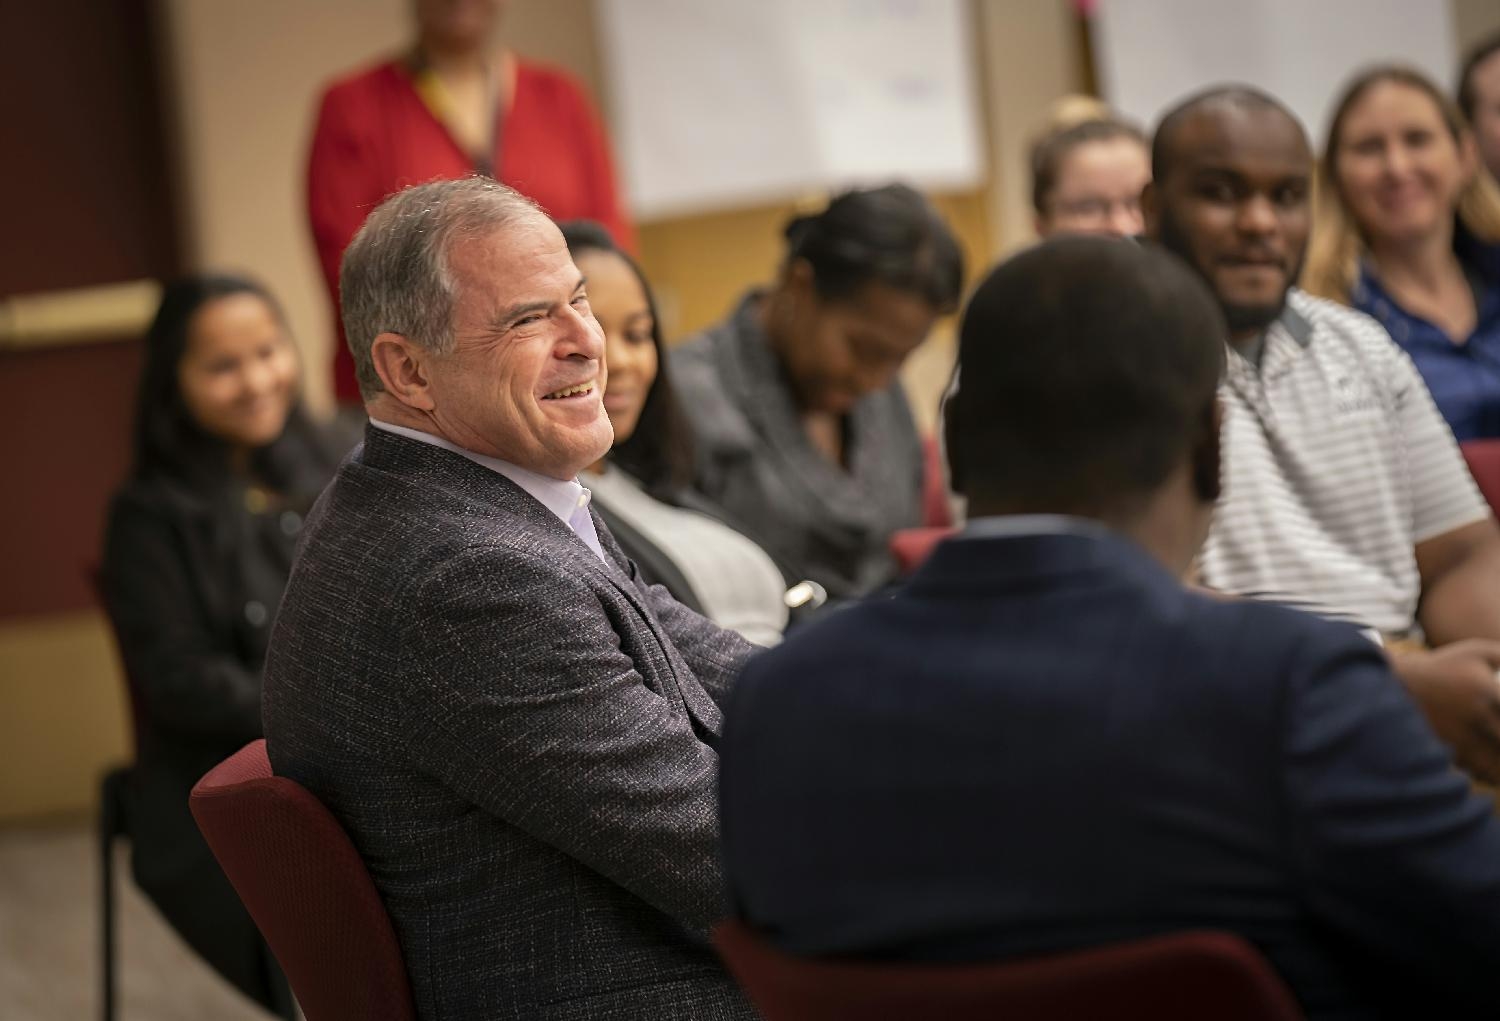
{"type": "Point", "coordinates": [891, 236]}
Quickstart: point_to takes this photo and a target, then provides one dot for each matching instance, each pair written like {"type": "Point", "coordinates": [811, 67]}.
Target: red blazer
{"type": "Point", "coordinates": [375, 136]}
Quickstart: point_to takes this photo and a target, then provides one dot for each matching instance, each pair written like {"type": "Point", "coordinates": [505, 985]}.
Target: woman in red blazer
{"type": "Point", "coordinates": [455, 104]}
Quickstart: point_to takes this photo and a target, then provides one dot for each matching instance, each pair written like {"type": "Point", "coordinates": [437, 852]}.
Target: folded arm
{"type": "Point", "coordinates": [1460, 572]}
{"type": "Point", "coordinates": [1389, 839]}
{"type": "Point", "coordinates": [1460, 612]}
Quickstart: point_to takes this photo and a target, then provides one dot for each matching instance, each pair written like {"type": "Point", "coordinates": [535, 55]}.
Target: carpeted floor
{"type": "Point", "coordinates": [49, 941]}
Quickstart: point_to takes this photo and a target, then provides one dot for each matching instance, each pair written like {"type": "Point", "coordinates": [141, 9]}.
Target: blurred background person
{"type": "Point", "coordinates": [641, 488]}
{"type": "Point", "coordinates": [197, 550]}
{"type": "Point", "coordinates": [458, 102]}
{"type": "Point", "coordinates": [1344, 493]}
{"type": "Point", "coordinates": [803, 431]}
{"type": "Point", "coordinates": [1479, 99]}
{"type": "Point", "coordinates": [1408, 230]}
{"type": "Point", "coordinates": [1088, 171]}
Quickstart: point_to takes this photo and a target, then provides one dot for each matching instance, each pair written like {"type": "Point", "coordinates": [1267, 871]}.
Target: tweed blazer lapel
{"type": "Point", "coordinates": [426, 465]}
{"type": "Point", "coordinates": [704, 712]}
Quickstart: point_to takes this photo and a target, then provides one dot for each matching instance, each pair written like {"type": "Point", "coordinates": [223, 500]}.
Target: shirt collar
{"type": "Point", "coordinates": [1270, 360]}
{"type": "Point", "coordinates": [562, 497]}
{"type": "Point", "coordinates": [1295, 324]}
{"type": "Point", "coordinates": [1011, 526]}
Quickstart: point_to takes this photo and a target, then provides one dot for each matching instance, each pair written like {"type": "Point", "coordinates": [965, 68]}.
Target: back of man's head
{"type": "Point", "coordinates": [1089, 368]}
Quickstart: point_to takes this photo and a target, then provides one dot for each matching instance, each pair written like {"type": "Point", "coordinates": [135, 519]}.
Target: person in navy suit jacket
{"type": "Point", "coordinates": [1044, 741]}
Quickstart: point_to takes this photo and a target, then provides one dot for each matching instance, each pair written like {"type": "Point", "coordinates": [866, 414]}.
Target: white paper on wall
{"type": "Point", "coordinates": [723, 103]}
{"type": "Point", "coordinates": [1152, 53]}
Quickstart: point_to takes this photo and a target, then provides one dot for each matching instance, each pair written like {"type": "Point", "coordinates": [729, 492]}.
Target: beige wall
{"type": "Point", "coordinates": [245, 77]}
{"type": "Point", "coordinates": [1474, 20]}
{"type": "Point", "coordinates": [63, 721]}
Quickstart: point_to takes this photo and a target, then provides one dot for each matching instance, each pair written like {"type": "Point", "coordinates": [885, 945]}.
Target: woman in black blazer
{"type": "Point", "coordinates": [197, 551]}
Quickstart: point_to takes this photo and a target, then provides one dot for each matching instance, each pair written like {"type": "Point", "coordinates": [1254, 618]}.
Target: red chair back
{"type": "Point", "coordinates": [307, 889]}
{"type": "Point", "coordinates": [936, 511]}
{"type": "Point", "coordinates": [1185, 976]}
{"type": "Point", "coordinates": [911, 546]}
{"type": "Point", "coordinates": [1483, 457]}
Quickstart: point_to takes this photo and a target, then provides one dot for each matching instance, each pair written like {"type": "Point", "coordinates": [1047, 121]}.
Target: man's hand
{"type": "Point", "coordinates": [1460, 695]}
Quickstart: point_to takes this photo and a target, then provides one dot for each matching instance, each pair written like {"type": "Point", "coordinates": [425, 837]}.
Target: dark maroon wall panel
{"type": "Point", "coordinates": [85, 170]}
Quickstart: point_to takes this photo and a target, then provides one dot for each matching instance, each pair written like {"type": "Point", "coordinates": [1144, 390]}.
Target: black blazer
{"type": "Point", "coordinates": [1044, 742]}
{"type": "Point", "coordinates": [191, 578]}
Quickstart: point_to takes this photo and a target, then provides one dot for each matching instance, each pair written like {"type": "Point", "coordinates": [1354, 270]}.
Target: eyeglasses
{"type": "Point", "coordinates": [1096, 209]}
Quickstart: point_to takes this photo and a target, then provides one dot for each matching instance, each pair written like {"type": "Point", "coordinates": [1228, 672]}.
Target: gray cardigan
{"type": "Point", "coordinates": [818, 520]}
{"type": "Point", "coordinates": [518, 737]}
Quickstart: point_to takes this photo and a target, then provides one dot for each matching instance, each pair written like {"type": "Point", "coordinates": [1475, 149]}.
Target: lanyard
{"type": "Point", "coordinates": [439, 102]}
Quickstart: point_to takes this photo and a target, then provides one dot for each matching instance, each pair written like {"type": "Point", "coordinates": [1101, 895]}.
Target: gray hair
{"type": "Point", "coordinates": [394, 277]}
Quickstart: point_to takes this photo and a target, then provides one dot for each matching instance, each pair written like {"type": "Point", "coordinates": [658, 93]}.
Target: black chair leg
{"type": "Point", "coordinates": [111, 825]}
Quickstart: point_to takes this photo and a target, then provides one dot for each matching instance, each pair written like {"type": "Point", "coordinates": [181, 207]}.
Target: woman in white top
{"type": "Point", "coordinates": [641, 487]}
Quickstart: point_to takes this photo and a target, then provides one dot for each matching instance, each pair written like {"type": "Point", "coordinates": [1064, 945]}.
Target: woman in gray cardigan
{"type": "Point", "coordinates": [802, 430]}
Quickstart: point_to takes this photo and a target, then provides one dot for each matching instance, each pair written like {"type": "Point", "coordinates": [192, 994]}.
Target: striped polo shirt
{"type": "Point", "coordinates": [1336, 464]}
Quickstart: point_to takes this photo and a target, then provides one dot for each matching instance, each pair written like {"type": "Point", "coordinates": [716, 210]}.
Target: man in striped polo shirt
{"type": "Point", "coordinates": [1344, 491]}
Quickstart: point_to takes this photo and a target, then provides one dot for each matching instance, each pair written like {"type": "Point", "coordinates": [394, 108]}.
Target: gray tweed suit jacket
{"type": "Point", "coordinates": [518, 737]}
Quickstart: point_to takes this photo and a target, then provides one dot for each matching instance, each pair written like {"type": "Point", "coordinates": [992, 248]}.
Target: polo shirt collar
{"type": "Point", "coordinates": [1276, 355]}
{"type": "Point", "coordinates": [1295, 324]}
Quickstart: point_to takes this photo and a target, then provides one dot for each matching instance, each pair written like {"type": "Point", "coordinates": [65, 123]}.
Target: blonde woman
{"type": "Point", "coordinates": [1408, 231]}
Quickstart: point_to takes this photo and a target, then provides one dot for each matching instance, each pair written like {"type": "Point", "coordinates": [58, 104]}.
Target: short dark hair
{"type": "Point", "coordinates": [890, 235]}
{"type": "Point", "coordinates": [1467, 100]}
{"type": "Point", "coordinates": [1245, 97]}
{"type": "Point", "coordinates": [659, 454]}
{"type": "Point", "coordinates": [1088, 372]}
{"type": "Point", "coordinates": [1049, 152]}
{"type": "Point", "coordinates": [169, 442]}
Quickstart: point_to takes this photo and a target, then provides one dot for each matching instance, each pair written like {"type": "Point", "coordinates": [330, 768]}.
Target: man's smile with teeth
{"type": "Point", "coordinates": [572, 391]}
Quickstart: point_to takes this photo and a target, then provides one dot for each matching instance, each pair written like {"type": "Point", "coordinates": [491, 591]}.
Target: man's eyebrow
{"type": "Point", "coordinates": [526, 308]}
{"type": "Point", "coordinates": [519, 310]}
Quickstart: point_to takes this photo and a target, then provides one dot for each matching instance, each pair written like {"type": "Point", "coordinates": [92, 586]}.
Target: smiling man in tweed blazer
{"type": "Point", "coordinates": [517, 733]}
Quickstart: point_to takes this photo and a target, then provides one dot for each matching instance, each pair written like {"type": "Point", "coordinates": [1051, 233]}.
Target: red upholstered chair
{"type": "Point", "coordinates": [936, 511]}
{"type": "Point", "coordinates": [1187, 976]}
{"type": "Point", "coordinates": [306, 887]}
{"type": "Point", "coordinates": [911, 546]}
{"type": "Point", "coordinates": [1483, 457]}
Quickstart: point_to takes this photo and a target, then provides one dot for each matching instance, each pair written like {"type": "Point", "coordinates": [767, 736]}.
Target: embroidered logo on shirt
{"type": "Point", "coordinates": [1353, 394]}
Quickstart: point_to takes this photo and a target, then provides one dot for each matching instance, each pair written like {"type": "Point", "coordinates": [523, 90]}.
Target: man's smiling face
{"type": "Point", "coordinates": [524, 381]}
{"type": "Point", "coordinates": [1236, 205]}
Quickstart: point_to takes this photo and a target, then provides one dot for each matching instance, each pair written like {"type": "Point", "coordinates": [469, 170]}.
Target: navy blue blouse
{"type": "Point", "coordinates": [1465, 377]}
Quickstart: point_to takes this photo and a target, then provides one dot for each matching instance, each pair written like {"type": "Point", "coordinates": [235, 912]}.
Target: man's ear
{"type": "Point", "coordinates": [1207, 455]}
{"type": "Point", "coordinates": [797, 277]}
{"type": "Point", "coordinates": [403, 368]}
{"type": "Point", "coordinates": [1151, 210]}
